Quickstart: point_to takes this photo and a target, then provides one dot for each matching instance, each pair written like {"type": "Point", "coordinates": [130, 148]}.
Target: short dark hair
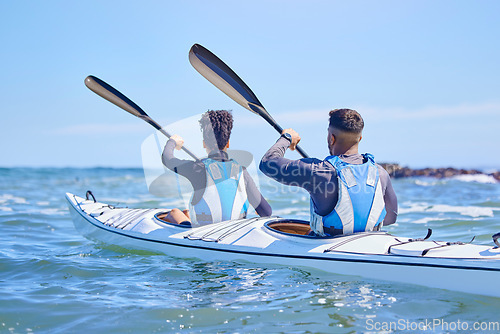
{"type": "Point", "coordinates": [347, 120]}
{"type": "Point", "coordinates": [218, 122]}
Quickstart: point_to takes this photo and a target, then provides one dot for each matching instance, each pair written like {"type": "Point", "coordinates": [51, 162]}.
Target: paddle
{"type": "Point", "coordinates": [224, 78]}
{"type": "Point", "coordinates": [495, 239]}
{"type": "Point", "coordinates": [109, 93]}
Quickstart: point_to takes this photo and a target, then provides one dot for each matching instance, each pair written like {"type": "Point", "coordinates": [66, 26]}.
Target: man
{"type": "Point", "coordinates": [349, 192]}
{"type": "Point", "coordinates": [222, 188]}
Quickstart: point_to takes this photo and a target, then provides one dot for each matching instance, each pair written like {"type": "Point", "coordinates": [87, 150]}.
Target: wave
{"type": "Point", "coordinates": [479, 178]}
{"type": "Point", "coordinates": [427, 220]}
{"type": "Point", "coordinates": [13, 199]}
{"type": "Point", "coordinates": [469, 178]}
{"type": "Point", "coordinates": [471, 211]}
{"type": "Point", "coordinates": [427, 183]}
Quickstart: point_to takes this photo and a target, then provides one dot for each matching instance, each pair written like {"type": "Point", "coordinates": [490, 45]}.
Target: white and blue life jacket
{"type": "Point", "coordinates": [225, 195]}
{"type": "Point", "coordinates": [360, 205]}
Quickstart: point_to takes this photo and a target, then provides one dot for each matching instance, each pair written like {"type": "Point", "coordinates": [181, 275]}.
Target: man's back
{"type": "Point", "coordinates": [196, 173]}
{"type": "Point", "coordinates": [319, 178]}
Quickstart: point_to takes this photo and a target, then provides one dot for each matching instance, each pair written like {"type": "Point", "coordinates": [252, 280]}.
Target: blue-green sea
{"type": "Point", "coordinates": [53, 280]}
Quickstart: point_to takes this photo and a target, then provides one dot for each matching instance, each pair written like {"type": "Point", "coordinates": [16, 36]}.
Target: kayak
{"type": "Point", "coordinates": [456, 266]}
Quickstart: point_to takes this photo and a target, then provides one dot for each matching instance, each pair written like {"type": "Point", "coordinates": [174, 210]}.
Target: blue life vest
{"type": "Point", "coordinates": [360, 205]}
{"type": "Point", "coordinates": [225, 195]}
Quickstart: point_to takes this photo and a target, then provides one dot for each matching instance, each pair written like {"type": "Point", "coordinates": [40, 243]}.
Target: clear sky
{"type": "Point", "coordinates": [425, 75]}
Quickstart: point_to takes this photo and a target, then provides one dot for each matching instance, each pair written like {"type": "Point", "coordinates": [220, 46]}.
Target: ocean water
{"type": "Point", "coordinates": [52, 280]}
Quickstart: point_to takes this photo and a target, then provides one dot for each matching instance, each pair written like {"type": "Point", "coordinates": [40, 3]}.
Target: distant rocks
{"type": "Point", "coordinates": [396, 171]}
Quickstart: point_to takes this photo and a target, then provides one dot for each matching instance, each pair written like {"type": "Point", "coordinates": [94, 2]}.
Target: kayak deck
{"type": "Point", "coordinates": [284, 241]}
{"type": "Point", "coordinates": [294, 231]}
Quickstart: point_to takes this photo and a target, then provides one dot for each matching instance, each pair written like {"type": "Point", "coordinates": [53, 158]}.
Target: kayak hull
{"type": "Point", "coordinates": [465, 268]}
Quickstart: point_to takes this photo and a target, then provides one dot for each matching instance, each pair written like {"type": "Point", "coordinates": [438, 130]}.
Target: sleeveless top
{"type": "Point", "coordinates": [225, 195]}
{"type": "Point", "coordinates": [360, 205]}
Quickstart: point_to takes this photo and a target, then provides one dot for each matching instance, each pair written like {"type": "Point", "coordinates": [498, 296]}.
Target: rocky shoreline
{"type": "Point", "coordinates": [397, 171]}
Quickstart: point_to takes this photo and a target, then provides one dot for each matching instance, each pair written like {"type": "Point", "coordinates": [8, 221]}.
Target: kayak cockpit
{"type": "Point", "coordinates": [293, 227]}
{"type": "Point", "coordinates": [301, 228]}
{"type": "Point", "coordinates": [160, 218]}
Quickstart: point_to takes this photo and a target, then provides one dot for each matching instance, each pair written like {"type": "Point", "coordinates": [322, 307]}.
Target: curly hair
{"type": "Point", "coordinates": [216, 126]}
{"type": "Point", "coordinates": [347, 120]}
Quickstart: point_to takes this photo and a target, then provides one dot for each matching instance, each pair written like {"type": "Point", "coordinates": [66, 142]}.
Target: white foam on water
{"type": "Point", "coordinates": [11, 198]}
{"type": "Point", "coordinates": [364, 290]}
{"type": "Point", "coordinates": [45, 203]}
{"type": "Point", "coordinates": [411, 207]}
{"type": "Point", "coordinates": [423, 183]}
{"type": "Point", "coordinates": [478, 178]}
{"type": "Point", "coordinates": [52, 212]}
{"type": "Point", "coordinates": [471, 211]}
{"type": "Point", "coordinates": [5, 209]}
{"type": "Point", "coordinates": [426, 220]}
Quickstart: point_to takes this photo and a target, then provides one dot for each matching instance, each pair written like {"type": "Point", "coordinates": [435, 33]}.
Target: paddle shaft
{"type": "Point", "coordinates": [278, 128]}
{"type": "Point", "coordinates": [114, 96]}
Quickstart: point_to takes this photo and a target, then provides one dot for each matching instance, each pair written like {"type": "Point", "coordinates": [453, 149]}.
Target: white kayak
{"type": "Point", "coordinates": [458, 266]}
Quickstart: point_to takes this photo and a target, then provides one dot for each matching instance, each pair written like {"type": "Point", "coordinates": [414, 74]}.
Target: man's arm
{"type": "Point", "coordinates": [186, 168]}
{"type": "Point", "coordinates": [390, 199]}
{"type": "Point", "coordinates": [255, 198]}
{"type": "Point", "coordinates": [286, 171]}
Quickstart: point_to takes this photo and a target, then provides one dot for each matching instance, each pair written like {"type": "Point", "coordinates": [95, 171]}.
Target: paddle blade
{"type": "Point", "coordinates": [109, 93]}
{"type": "Point", "coordinates": [224, 78]}
{"type": "Point", "coordinates": [495, 239]}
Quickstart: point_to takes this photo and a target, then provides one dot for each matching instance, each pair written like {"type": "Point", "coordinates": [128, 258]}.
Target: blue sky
{"type": "Point", "coordinates": [424, 74]}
